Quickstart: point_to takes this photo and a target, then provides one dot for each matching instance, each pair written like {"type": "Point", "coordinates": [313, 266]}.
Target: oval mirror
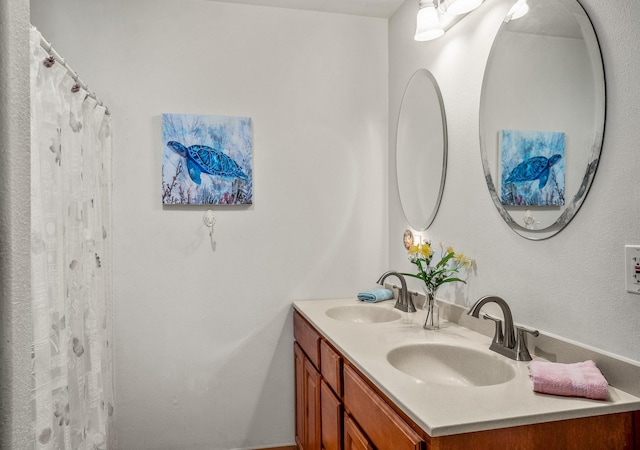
{"type": "Point", "coordinates": [542, 112]}
{"type": "Point", "coordinates": [421, 150]}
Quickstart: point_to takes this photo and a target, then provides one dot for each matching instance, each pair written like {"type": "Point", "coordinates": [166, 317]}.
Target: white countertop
{"type": "Point", "coordinates": [438, 409]}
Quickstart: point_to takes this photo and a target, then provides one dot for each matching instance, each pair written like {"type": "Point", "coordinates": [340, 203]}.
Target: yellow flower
{"type": "Point", "coordinates": [413, 249]}
{"type": "Point", "coordinates": [465, 261]}
{"type": "Point", "coordinates": [450, 250]}
{"type": "Point", "coordinates": [425, 249]}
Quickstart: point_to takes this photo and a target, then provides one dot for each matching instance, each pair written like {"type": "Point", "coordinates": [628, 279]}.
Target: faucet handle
{"type": "Point", "coordinates": [522, 330]}
{"type": "Point", "coordinates": [498, 336]}
{"type": "Point", "coordinates": [522, 353]}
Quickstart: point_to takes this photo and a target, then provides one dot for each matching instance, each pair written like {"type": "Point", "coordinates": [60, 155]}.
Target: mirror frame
{"type": "Point", "coordinates": [403, 180]}
{"type": "Point", "coordinates": [572, 206]}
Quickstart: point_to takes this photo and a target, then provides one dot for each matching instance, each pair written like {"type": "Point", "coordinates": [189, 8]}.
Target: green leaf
{"type": "Point", "coordinates": [444, 260]}
{"type": "Point", "coordinates": [414, 276]}
{"type": "Point", "coordinates": [449, 280]}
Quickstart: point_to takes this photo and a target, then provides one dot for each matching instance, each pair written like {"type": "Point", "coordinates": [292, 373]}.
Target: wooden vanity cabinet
{"type": "Point", "coordinates": [338, 408]}
{"type": "Point", "coordinates": [327, 389]}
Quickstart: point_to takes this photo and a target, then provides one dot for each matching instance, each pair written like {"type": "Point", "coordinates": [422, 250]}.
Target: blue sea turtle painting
{"type": "Point", "coordinates": [201, 158]}
{"type": "Point", "coordinates": [536, 168]}
{"type": "Point", "coordinates": [532, 168]}
{"type": "Point", "coordinates": [207, 160]}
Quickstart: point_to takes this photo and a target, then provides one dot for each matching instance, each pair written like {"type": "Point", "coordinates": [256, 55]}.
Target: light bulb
{"type": "Point", "coordinates": [518, 10]}
{"type": "Point", "coordinates": [428, 25]}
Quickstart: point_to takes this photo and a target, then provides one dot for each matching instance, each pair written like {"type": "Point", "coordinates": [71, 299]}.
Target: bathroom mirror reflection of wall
{"type": "Point", "coordinates": [421, 150]}
{"type": "Point", "coordinates": [542, 113]}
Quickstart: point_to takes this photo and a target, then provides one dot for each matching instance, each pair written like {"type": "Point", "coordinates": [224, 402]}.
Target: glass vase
{"type": "Point", "coordinates": [432, 321]}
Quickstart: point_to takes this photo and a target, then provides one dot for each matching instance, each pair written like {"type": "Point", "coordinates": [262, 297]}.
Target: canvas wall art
{"type": "Point", "coordinates": [207, 160]}
{"type": "Point", "coordinates": [532, 169]}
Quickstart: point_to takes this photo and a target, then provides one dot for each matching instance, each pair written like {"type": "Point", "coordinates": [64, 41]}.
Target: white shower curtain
{"type": "Point", "coordinates": [70, 261]}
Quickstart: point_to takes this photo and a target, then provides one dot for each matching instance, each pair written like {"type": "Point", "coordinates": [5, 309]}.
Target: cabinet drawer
{"type": "Point", "coordinates": [307, 337]}
{"type": "Point", "coordinates": [331, 418]}
{"type": "Point", "coordinates": [331, 363]}
{"type": "Point", "coordinates": [382, 425]}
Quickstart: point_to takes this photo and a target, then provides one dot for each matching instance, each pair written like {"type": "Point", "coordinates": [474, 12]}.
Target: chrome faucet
{"type": "Point", "coordinates": [404, 302]}
{"type": "Point", "coordinates": [505, 341]}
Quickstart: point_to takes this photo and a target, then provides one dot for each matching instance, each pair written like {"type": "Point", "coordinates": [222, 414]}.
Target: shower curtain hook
{"type": "Point", "coordinates": [49, 61]}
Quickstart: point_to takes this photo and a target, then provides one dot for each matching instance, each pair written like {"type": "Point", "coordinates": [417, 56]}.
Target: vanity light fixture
{"type": "Point", "coordinates": [518, 10]}
{"type": "Point", "coordinates": [459, 6]}
{"type": "Point", "coordinates": [435, 16]}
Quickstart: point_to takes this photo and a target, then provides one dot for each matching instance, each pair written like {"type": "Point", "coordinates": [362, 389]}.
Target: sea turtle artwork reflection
{"type": "Point", "coordinates": [536, 168]}
{"type": "Point", "coordinates": [201, 158]}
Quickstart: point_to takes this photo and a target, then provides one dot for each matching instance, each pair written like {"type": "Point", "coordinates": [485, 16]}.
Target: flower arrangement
{"type": "Point", "coordinates": [444, 271]}
{"type": "Point", "coordinates": [435, 275]}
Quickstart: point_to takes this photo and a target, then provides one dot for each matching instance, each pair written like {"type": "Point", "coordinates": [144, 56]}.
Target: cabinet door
{"type": "Point", "coordinates": [312, 387]}
{"type": "Point", "coordinates": [307, 402]}
{"type": "Point", "coordinates": [331, 414]}
{"type": "Point", "coordinates": [354, 439]}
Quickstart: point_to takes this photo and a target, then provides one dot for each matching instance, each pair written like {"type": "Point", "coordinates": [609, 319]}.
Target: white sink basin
{"type": "Point", "coordinates": [450, 365]}
{"type": "Point", "coordinates": [363, 314]}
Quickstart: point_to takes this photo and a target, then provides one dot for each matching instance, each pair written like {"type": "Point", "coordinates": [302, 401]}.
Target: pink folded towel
{"type": "Point", "coordinates": [571, 380]}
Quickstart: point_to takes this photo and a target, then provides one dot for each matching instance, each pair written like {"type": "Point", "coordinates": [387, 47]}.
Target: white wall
{"type": "Point", "coordinates": [571, 285]}
{"type": "Point", "coordinates": [204, 336]}
{"type": "Point", "coordinates": [184, 373]}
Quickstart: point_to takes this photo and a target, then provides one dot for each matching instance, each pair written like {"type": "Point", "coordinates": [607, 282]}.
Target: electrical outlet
{"type": "Point", "coordinates": [632, 268]}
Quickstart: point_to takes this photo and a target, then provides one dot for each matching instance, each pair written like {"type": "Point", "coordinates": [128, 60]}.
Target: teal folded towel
{"type": "Point", "coordinates": [375, 295]}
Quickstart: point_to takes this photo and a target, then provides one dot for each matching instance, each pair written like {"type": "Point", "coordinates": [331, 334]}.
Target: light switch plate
{"type": "Point", "coordinates": [632, 268]}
